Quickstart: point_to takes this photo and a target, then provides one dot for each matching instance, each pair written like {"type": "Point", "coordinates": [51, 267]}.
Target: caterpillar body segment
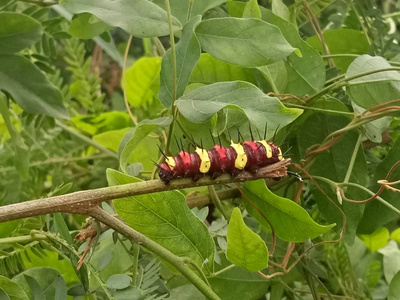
{"type": "Point", "coordinates": [249, 156]}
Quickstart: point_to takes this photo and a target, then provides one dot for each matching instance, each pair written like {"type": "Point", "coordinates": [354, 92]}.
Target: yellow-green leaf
{"type": "Point", "coordinates": [376, 240]}
{"type": "Point", "coordinates": [245, 247]}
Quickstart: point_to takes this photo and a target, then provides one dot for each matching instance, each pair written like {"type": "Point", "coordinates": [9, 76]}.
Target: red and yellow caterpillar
{"type": "Point", "coordinates": [249, 156]}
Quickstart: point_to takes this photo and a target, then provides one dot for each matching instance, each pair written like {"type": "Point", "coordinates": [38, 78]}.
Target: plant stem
{"type": "Point", "coordinates": [343, 82]}
{"type": "Point", "coordinates": [189, 14]}
{"type": "Point", "coordinates": [353, 158]}
{"type": "Point", "coordinates": [216, 201]}
{"type": "Point", "coordinates": [178, 262]}
{"type": "Point", "coordinates": [174, 72]}
{"type": "Point", "coordinates": [86, 139]}
{"type": "Point", "coordinates": [336, 112]}
{"type": "Point", "coordinates": [23, 239]}
{"type": "Point", "coordinates": [57, 160]}
{"type": "Point", "coordinates": [223, 270]}
{"type": "Point", "coordinates": [128, 109]}
{"type": "Point", "coordinates": [136, 251]}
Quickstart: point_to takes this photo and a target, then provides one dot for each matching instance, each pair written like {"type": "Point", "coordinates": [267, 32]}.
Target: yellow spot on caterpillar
{"type": "Point", "coordinates": [205, 160]}
{"type": "Point", "coordinates": [280, 156]}
{"type": "Point", "coordinates": [170, 162]}
{"type": "Point", "coordinates": [241, 159]}
{"type": "Point", "coordinates": [268, 149]}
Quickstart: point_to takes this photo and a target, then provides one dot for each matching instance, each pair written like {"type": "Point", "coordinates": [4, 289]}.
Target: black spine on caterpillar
{"type": "Point", "coordinates": [249, 156]}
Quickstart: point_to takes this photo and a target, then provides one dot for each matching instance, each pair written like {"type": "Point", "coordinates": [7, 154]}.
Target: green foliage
{"type": "Point", "coordinates": [165, 218]}
{"type": "Point", "coordinates": [314, 77]}
{"type": "Point", "coordinates": [297, 225]}
{"type": "Point", "coordinates": [245, 248]}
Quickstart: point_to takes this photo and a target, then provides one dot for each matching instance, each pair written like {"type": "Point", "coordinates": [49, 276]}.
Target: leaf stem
{"type": "Point", "coordinates": [174, 72]}
{"type": "Point", "coordinates": [216, 201]}
{"type": "Point", "coordinates": [128, 109]}
{"type": "Point", "coordinates": [343, 82]}
{"type": "Point", "coordinates": [353, 158]}
{"type": "Point", "coordinates": [223, 270]}
{"type": "Point", "coordinates": [135, 256]}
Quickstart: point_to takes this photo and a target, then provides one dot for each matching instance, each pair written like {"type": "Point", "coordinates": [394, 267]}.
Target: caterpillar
{"type": "Point", "coordinates": [248, 155]}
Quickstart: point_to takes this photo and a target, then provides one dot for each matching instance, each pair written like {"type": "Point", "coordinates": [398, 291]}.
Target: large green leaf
{"type": "Point", "coordinates": [187, 54]}
{"type": "Point", "coordinates": [367, 91]}
{"type": "Point", "coordinates": [377, 214]}
{"type": "Point", "coordinates": [166, 219]}
{"type": "Point", "coordinates": [244, 42]}
{"type": "Point", "coordinates": [87, 26]}
{"type": "Point", "coordinates": [394, 288]}
{"type": "Point", "coordinates": [333, 164]}
{"type": "Point", "coordinates": [135, 136]}
{"type": "Point", "coordinates": [12, 289]}
{"type": "Point", "coordinates": [18, 31]}
{"type": "Point", "coordinates": [140, 18]}
{"type": "Point", "coordinates": [245, 248]}
{"type": "Point", "coordinates": [295, 75]}
{"type": "Point", "coordinates": [210, 70]}
{"type": "Point", "coordinates": [30, 88]}
{"type": "Point", "coordinates": [140, 78]}
{"type": "Point", "coordinates": [202, 103]}
{"type": "Point", "coordinates": [180, 8]}
{"type": "Point", "coordinates": [342, 41]}
{"type": "Point", "coordinates": [49, 279]}
{"type": "Point", "coordinates": [290, 221]}
{"type": "Point", "coordinates": [305, 74]}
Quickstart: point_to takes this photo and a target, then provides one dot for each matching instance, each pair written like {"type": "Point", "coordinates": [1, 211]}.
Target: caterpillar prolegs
{"type": "Point", "coordinates": [249, 156]}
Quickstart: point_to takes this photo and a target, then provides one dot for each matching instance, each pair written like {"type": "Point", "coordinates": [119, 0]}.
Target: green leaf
{"type": "Point", "coordinates": [375, 88]}
{"type": "Point", "coordinates": [118, 281]}
{"type": "Point", "coordinates": [290, 221]}
{"type": "Point", "coordinates": [30, 88]}
{"type": "Point", "coordinates": [244, 42]}
{"type": "Point", "coordinates": [394, 288]}
{"type": "Point", "coordinates": [140, 18]}
{"type": "Point", "coordinates": [294, 75]}
{"type": "Point", "coordinates": [252, 10]}
{"type": "Point", "coordinates": [245, 248]}
{"type": "Point", "coordinates": [49, 279]}
{"type": "Point", "coordinates": [111, 139]}
{"type": "Point", "coordinates": [305, 74]}
{"type": "Point", "coordinates": [210, 70]}
{"type": "Point", "coordinates": [280, 9]}
{"type": "Point", "coordinates": [252, 285]}
{"type": "Point", "coordinates": [374, 129]}
{"type": "Point", "coordinates": [166, 219]}
{"type": "Point", "coordinates": [136, 135]}
{"type": "Point", "coordinates": [86, 26]}
{"type": "Point", "coordinates": [395, 235]}
{"type": "Point", "coordinates": [180, 8]}
{"type": "Point", "coordinates": [333, 164]}
{"type": "Point", "coordinates": [139, 78]}
{"type": "Point", "coordinates": [187, 55]}
{"type": "Point", "coordinates": [377, 214]}
{"type": "Point", "coordinates": [17, 32]}
{"type": "Point", "coordinates": [391, 260]}
{"type": "Point", "coordinates": [342, 41]}
{"type": "Point", "coordinates": [62, 228]}
{"type": "Point", "coordinates": [12, 289]}
{"type": "Point", "coordinates": [37, 291]}
{"type": "Point", "coordinates": [376, 240]}
{"type": "Point", "coordinates": [201, 104]}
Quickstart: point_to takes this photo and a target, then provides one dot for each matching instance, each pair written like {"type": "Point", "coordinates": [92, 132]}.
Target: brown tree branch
{"type": "Point", "coordinates": [82, 202]}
